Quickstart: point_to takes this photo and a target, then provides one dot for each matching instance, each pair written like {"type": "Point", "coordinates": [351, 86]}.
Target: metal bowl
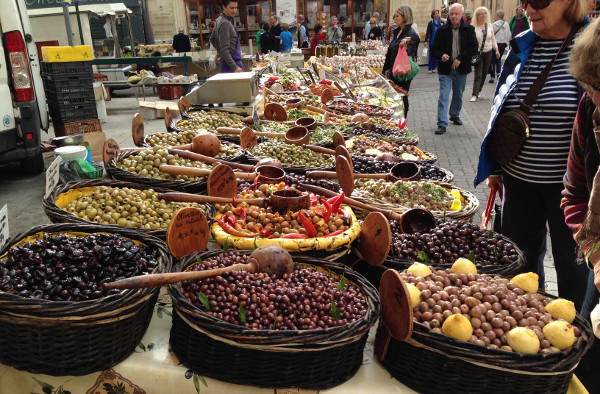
{"type": "Point", "coordinates": [67, 140]}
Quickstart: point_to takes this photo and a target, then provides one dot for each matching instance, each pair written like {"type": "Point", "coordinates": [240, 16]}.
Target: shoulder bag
{"type": "Point", "coordinates": [511, 128]}
{"type": "Point", "coordinates": [476, 59]}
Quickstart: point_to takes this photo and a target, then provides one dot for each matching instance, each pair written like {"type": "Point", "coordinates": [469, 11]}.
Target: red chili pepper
{"type": "Point", "coordinates": [402, 123]}
{"type": "Point", "coordinates": [327, 214]}
{"type": "Point", "coordinates": [266, 233]}
{"type": "Point", "coordinates": [313, 199]}
{"type": "Point", "coordinates": [325, 82]}
{"type": "Point", "coordinates": [308, 226]}
{"type": "Point", "coordinates": [242, 214]}
{"type": "Point", "coordinates": [295, 236]}
{"type": "Point", "coordinates": [273, 79]}
{"type": "Point", "coordinates": [336, 232]}
{"type": "Point", "coordinates": [233, 231]}
{"type": "Point", "coordinates": [336, 202]}
{"type": "Point", "coordinates": [231, 219]}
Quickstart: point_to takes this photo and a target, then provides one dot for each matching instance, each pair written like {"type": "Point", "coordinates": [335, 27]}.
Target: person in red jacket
{"type": "Point", "coordinates": [318, 37]}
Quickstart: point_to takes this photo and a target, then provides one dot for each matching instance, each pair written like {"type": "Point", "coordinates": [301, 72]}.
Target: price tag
{"type": "Point", "coordinates": [222, 182]}
{"type": "Point", "coordinates": [110, 150]}
{"type": "Point", "coordinates": [137, 129]}
{"type": "Point", "coordinates": [4, 233]}
{"type": "Point", "coordinates": [188, 232]}
{"type": "Point", "coordinates": [52, 176]}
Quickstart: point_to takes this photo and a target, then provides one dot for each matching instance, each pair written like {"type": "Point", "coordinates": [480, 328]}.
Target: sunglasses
{"type": "Point", "coordinates": [535, 4]}
{"type": "Point", "coordinates": [589, 88]}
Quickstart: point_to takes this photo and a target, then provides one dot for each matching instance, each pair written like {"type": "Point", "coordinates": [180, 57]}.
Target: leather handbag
{"type": "Point", "coordinates": [511, 128]}
{"type": "Point", "coordinates": [478, 58]}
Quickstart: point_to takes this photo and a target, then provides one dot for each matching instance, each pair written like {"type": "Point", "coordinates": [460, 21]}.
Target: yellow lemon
{"type": "Point", "coordinates": [415, 295]}
{"type": "Point", "coordinates": [523, 340]}
{"type": "Point", "coordinates": [407, 156]}
{"type": "Point", "coordinates": [456, 194]}
{"type": "Point", "coordinates": [464, 266]}
{"type": "Point", "coordinates": [562, 309]}
{"type": "Point", "coordinates": [456, 205]}
{"type": "Point", "coordinates": [528, 281]}
{"type": "Point", "coordinates": [560, 334]}
{"type": "Point", "coordinates": [419, 269]}
{"type": "Point", "coordinates": [372, 151]}
{"type": "Point", "coordinates": [457, 326]}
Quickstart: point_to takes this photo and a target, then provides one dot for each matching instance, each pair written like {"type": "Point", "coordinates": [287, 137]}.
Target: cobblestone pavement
{"type": "Point", "coordinates": [458, 148]}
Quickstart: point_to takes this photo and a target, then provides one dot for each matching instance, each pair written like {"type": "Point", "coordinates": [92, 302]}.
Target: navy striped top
{"type": "Point", "coordinates": [543, 157]}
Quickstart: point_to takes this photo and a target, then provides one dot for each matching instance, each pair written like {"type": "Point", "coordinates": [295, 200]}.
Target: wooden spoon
{"type": "Point", "coordinates": [269, 259]}
{"type": "Point", "coordinates": [248, 138]}
{"type": "Point", "coordinates": [205, 144]}
{"type": "Point", "coordinates": [207, 159]}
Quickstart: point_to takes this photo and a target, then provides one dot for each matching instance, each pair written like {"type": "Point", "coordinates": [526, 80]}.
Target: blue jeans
{"type": "Point", "coordinates": [457, 82]}
{"type": "Point", "coordinates": [497, 63]}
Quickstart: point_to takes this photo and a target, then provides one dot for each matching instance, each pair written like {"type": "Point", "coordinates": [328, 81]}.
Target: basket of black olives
{"type": "Point", "coordinates": [115, 203]}
{"type": "Point", "coordinates": [480, 331]}
{"type": "Point", "coordinates": [365, 164]}
{"type": "Point", "coordinates": [403, 136]}
{"type": "Point", "coordinates": [55, 316]}
{"type": "Point", "coordinates": [305, 328]}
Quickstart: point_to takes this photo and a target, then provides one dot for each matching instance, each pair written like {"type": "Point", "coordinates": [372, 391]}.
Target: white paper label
{"type": "Point", "coordinates": [4, 233]}
{"type": "Point", "coordinates": [52, 176]}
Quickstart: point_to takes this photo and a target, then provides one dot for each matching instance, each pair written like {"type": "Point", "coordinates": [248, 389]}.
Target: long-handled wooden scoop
{"type": "Point", "coordinates": [205, 144]}
{"type": "Point", "coordinates": [297, 135]}
{"type": "Point", "coordinates": [269, 259]}
{"type": "Point", "coordinates": [405, 171]}
{"type": "Point", "coordinates": [207, 159]}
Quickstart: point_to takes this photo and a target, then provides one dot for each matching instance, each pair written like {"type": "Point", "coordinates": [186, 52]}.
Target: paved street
{"type": "Point", "coordinates": [457, 150]}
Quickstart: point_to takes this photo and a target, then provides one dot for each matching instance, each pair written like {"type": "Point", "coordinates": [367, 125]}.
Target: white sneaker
{"type": "Point", "coordinates": [474, 98]}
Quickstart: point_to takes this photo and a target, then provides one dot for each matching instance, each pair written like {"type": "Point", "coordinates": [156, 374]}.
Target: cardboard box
{"type": "Point", "coordinates": [79, 53]}
{"type": "Point", "coordinates": [96, 141]}
{"type": "Point", "coordinates": [78, 127]}
{"type": "Point", "coordinates": [156, 109]}
{"type": "Point", "coordinates": [99, 91]}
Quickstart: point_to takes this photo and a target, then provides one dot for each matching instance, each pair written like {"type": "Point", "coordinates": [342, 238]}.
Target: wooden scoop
{"type": "Point", "coordinates": [411, 221]}
{"type": "Point", "coordinates": [205, 144]}
{"type": "Point", "coordinates": [184, 104]}
{"type": "Point", "coordinates": [396, 312]}
{"type": "Point", "coordinates": [249, 137]}
{"type": "Point", "coordinates": [207, 159]}
{"type": "Point", "coordinates": [137, 129]}
{"type": "Point", "coordinates": [275, 111]}
{"type": "Point", "coordinates": [269, 259]}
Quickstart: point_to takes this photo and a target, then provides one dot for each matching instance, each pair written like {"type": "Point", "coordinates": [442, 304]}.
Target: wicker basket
{"type": "Point", "coordinates": [434, 363]}
{"type": "Point", "coordinates": [288, 167]}
{"type": "Point", "coordinates": [467, 212]}
{"type": "Point", "coordinates": [315, 359]}
{"type": "Point", "coordinates": [59, 215]}
{"type": "Point", "coordinates": [433, 157]}
{"type": "Point", "coordinates": [195, 108]}
{"type": "Point", "coordinates": [448, 177]}
{"type": "Point", "coordinates": [223, 137]}
{"type": "Point", "coordinates": [76, 338]}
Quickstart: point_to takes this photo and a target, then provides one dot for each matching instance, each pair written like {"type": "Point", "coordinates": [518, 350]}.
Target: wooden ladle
{"type": "Point", "coordinates": [270, 259]}
{"type": "Point", "coordinates": [248, 138]}
{"type": "Point", "coordinates": [205, 144]}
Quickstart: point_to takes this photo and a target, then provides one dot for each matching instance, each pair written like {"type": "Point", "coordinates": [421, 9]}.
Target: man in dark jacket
{"type": "Point", "coordinates": [276, 32]}
{"type": "Point", "coordinates": [453, 46]}
{"type": "Point", "coordinates": [181, 42]}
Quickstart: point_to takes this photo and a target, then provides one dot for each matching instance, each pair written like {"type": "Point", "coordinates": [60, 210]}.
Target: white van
{"type": "Point", "coordinates": [23, 111]}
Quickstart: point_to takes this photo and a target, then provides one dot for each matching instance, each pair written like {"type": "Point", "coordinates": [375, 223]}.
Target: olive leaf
{"type": "Point", "coordinates": [226, 246]}
{"type": "Point", "coordinates": [44, 384]}
{"type": "Point", "coordinates": [335, 312]}
{"type": "Point", "coordinates": [471, 256]}
{"type": "Point", "coordinates": [197, 379]}
{"type": "Point", "coordinates": [496, 255]}
{"type": "Point", "coordinates": [242, 314]}
{"type": "Point", "coordinates": [423, 256]}
{"type": "Point", "coordinates": [444, 217]}
{"type": "Point", "coordinates": [491, 234]}
{"type": "Point", "coordinates": [295, 319]}
{"type": "Point", "coordinates": [141, 346]}
{"type": "Point", "coordinates": [255, 245]}
{"type": "Point", "coordinates": [204, 300]}
{"type": "Point", "coordinates": [342, 283]}
{"type": "Point", "coordinates": [198, 259]}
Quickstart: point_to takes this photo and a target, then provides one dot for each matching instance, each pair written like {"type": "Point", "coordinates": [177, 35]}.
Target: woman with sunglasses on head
{"type": "Point", "coordinates": [581, 196]}
{"type": "Point", "coordinates": [486, 43]}
{"type": "Point", "coordinates": [531, 182]}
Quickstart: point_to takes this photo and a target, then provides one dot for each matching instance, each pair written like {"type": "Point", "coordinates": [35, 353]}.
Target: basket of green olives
{"type": "Point", "coordinates": [143, 167]}
{"type": "Point", "coordinates": [115, 203]}
{"type": "Point", "coordinates": [293, 157]}
{"type": "Point", "coordinates": [442, 199]}
{"type": "Point", "coordinates": [200, 119]}
{"type": "Point", "coordinates": [229, 151]}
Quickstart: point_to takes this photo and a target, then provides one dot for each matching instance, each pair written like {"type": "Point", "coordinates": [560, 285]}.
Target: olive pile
{"type": "Point", "coordinates": [274, 127]}
{"type": "Point", "coordinates": [452, 239]}
{"type": "Point", "coordinates": [365, 164]}
{"type": "Point", "coordinates": [301, 300]}
{"type": "Point", "coordinates": [210, 120]}
{"type": "Point", "coordinates": [373, 144]}
{"type": "Point", "coordinates": [387, 133]}
{"type": "Point", "coordinates": [421, 194]}
{"type": "Point", "coordinates": [126, 207]}
{"type": "Point", "coordinates": [64, 268]}
{"type": "Point", "coordinates": [384, 122]}
{"type": "Point", "coordinates": [325, 133]}
{"type": "Point", "coordinates": [171, 139]}
{"type": "Point", "coordinates": [147, 162]}
{"type": "Point", "coordinates": [313, 100]}
{"type": "Point", "coordinates": [294, 180]}
{"type": "Point", "coordinates": [492, 304]}
{"type": "Point", "coordinates": [291, 155]}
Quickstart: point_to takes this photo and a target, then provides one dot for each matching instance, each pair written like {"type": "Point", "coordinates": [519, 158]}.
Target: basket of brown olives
{"type": "Point", "coordinates": [373, 145]}
{"type": "Point", "coordinates": [304, 328]}
{"type": "Point", "coordinates": [365, 164]}
{"type": "Point", "coordinates": [470, 327]}
{"type": "Point", "coordinates": [295, 180]}
{"type": "Point", "coordinates": [442, 199]}
{"type": "Point", "coordinates": [143, 167]}
{"type": "Point", "coordinates": [292, 157]}
{"type": "Point", "coordinates": [55, 316]}
{"type": "Point", "coordinates": [115, 203]}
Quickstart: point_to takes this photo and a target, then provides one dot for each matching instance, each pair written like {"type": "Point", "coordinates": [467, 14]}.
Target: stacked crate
{"type": "Point", "coordinates": [70, 95]}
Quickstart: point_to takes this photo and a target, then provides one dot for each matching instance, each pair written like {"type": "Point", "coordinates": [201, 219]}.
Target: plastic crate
{"type": "Point", "coordinates": [99, 171]}
{"type": "Point", "coordinates": [73, 112]}
{"type": "Point", "coordinates": [70, 97]}
{"type": "Point", "coordinates": [76, 83]}
{"type": "Point", "coordinates": [100, 77]}
{"type": "Point", "coordinates": [66, 68]}
{"type": "Point", "coordinates": [170, 92]}
{"type": "Point", "coordinates": [82, 127]}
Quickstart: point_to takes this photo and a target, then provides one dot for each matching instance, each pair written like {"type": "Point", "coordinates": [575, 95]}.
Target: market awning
{"type": "Point", "coordinates": [97, 9]}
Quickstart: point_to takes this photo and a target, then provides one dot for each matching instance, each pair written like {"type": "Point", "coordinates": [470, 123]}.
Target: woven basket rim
{"type": "Point", "coordinates": [40, 308]}
{"type": "Point", "coordinates": [59, 215]}
{"type": "Point", "coordinates": [302, 338]}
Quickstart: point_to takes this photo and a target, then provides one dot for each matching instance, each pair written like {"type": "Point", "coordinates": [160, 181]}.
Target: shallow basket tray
{"type": "Point", "coordinates": [76, 338]}
{"type": "Point", "coordinates": [59, 215]}
{"type": "Point", "coordinates": [311, 359]}
{"type": "Point", "coordinates": [435, 363]}
{"type": "Point", "coordinates": [467, 212]}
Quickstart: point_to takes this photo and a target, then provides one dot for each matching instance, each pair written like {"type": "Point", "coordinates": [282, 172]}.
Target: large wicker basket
{"type": "Point", "coordinates": [467, 211]}
{"type": "Point", "coordinates": [76, 338]}
{"type": "Point", "coordinates": [251, 158]}
{"type": "Point", "coordinates": [58, 215]}
{"type": "Point", "coordinates": [435, 363]}
{"type": "Point", "coordinates": [315, 359]}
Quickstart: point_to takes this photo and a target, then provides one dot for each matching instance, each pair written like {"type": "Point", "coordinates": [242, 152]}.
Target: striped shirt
{"type": "Point", "coordinates": [543, 157]}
